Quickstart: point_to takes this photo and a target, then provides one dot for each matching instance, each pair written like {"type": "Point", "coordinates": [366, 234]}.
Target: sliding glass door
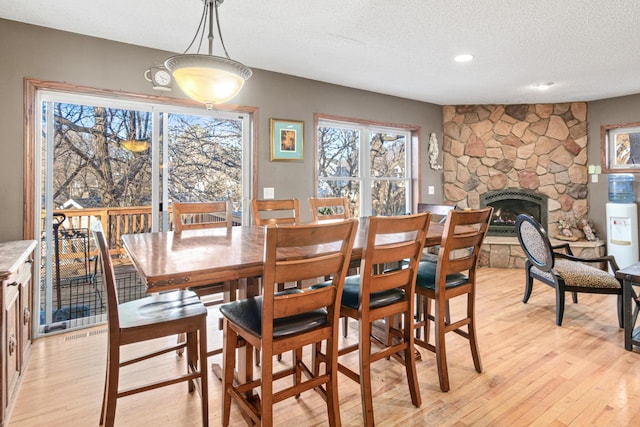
{"type": "Point", "coordinates": [122, 164]}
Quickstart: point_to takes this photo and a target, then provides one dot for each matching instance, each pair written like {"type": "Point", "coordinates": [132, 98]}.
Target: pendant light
{"type": "Point", "coordinates": [208, 79]}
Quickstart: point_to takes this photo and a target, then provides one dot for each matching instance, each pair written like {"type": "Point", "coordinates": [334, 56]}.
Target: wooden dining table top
{"type": "Point", "coordinates": [167, 260]}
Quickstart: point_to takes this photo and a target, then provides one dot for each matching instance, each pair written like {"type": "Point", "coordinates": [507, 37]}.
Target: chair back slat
{"type": "Point", "coordinates": [390, 253]}
{"type": "Point", "coordinates": [329, 208]}
{"type": "Point", "coordinates": [194, 216]}
{"type": "Point", "coordinates": [389, 280]}
{"type": "Point", "coordinates": [276, 211]}
{"type": "Point", "coordinates": [295, 253]}
{"type": "Point", "coordinates": [460, 249]}
{"type": "Point", "coordinates": [304, 269]}
{"type": "Point", "coordinates": [391, 242]}
{"type": "Point", "coordinates": [297, 303]}
{"type": "Point", "coordinates": [438, 212]}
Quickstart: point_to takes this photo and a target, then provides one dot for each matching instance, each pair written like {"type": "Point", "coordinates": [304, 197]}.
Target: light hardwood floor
{"type": "Point", "coordinates": [534, 374]}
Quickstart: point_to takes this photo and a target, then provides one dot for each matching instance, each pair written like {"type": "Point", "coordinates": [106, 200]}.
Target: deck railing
{"type": "Point", "coordinates": [115, 222]}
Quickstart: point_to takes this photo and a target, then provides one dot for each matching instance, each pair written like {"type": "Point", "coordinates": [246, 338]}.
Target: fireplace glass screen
{"type": "Point", "coordinates": [508, 204]}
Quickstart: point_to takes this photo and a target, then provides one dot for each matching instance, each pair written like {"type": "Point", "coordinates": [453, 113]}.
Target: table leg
{"type": "Point", "coordinates": [247, 288]}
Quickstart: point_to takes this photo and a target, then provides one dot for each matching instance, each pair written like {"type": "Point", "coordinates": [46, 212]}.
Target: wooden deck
{"type": "Point", "coordinates": [535, 373]}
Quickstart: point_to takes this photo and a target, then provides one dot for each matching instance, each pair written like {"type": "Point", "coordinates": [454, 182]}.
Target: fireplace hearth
{"type": "Point", "coordinates": [508, 204]}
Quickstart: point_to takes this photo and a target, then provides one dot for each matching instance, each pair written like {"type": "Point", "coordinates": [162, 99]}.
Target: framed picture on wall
{"type": "Point", "coordinates": [287, 137]}
{"type": "Point", "coordinates": [620, 145]}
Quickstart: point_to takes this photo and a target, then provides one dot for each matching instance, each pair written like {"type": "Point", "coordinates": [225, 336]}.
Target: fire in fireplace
{"type": "Point", "coordinates": [508, 204]}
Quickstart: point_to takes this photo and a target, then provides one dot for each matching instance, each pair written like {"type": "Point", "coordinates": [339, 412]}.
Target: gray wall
{"type": "Point", "coordinates": [624, 109]}
{"type": "Point", "coordinates": [40, 53]}
{"type": "Point", "coordinates": [35, 52]}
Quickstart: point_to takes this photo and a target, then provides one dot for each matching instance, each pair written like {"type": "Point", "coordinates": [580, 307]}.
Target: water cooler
{"type": "Point", "coordinates": [622, 220]}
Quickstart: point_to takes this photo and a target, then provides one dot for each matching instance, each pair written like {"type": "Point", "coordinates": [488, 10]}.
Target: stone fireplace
{"type": "Point", "coordinates": [508, 204]}
{"type": "Point", "coordinates": [535, 155]}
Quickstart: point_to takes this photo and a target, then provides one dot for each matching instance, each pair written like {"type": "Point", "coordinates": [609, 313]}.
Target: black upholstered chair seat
{"type": "Point", "coordinates": [427, 276]}
{"type": "Point", "coordinates": [351, 293]}
{"type": "Point", "coordinates": [247, 313]}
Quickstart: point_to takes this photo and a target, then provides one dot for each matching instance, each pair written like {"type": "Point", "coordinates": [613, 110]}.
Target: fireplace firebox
{"type": "Point", "coordinates": [508, 204]}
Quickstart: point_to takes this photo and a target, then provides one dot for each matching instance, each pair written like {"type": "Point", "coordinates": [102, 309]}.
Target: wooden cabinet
{"type": "Point", "coordinates": [15, 318]}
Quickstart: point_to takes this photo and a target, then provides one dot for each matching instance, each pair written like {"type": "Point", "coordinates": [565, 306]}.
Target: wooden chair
{"type": "Point", "coordinates": [329, 208]}
{"type": "Point", "coordinates": [157, 316]}
{"type": "Point", "coordinates": [193, 216]}
{"type": "Point", "coordinates": [377, 294]}
{"type": "Point", "coordinates": [563, 271]}
{"type": "Point", "coordinates": [438, 212]}
{"type": "Point", "coordinates": [285, 211]}
{"type": "Point", "coordinates": [453, 275]}
{"type": "Point", "coordinates": [203, 215]}
{"type": "Point", "coordinates": [289, 320]}
{"type": "Point", "coordinates": [277, 211]}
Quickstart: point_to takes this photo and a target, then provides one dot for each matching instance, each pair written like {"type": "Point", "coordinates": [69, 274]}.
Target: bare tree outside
{"type": "Point", "coordinates": [102, 157]}
{"type": "Point", "coordinates": [340, 174]}
{"type": "Point", "coordinates": [205, 159]}
{"type": "Point", "coordinates": [91, 164]}
{"type": "Point", "coordinates": [97, 167]}
{"type": "Point", "coordinates": [388, 160]}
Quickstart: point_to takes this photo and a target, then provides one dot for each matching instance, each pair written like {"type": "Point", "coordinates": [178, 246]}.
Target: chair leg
{"type": "Point", "coordinates": [410, 360]}
{"type": "Point", "coordinates": [419, 313]}
{"type": "Point", "coordinates": [574, 296]}
{"type": "Point", "coordinates": [182, 337]}
{"type": "Point", "coordinates": [365, 372]}
{"type": "Point", "coordinates": [528, 287]}
{"type": "Point", "coordinates": [345, 326]}
{"type": "Point", "coordinates": [441, 351]}
{"type": "Point", "coordinates": [229, 366]}
{"type": "Point", "coordinates": [297, 359]}
{"type": "Point", "coordinates": [192, 357]}
{"type": "Point", "coordinates": [111, 387]}
{"type": "Point", "coordinates": [473, 341]}
{"type": "Point", "coordinates": [103, 409]}
{"type": "Point", "coordinates": [201, 345]}
{"type": "Point", "coordinates": [559, 305]}
{"type": "Point", "coordinates": [331, 367]}
{"type": "Point", "coordinates": [427, 320]}
{"type": "Point", "coordinates": [266, 386]}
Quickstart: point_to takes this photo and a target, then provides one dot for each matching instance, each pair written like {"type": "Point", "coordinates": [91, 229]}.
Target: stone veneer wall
{"type": "Point", "coordinates": [541, 147]}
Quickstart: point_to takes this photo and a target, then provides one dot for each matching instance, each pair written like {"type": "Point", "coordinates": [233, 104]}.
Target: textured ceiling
{"type": "Point", "coordinates": [590, 49]}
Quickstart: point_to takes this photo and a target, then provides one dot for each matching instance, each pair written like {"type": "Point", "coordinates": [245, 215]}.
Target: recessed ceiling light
{"type": "Point", "coordinates": [463, 58]}
{"type": "Point", "coordinates": [543, 86]}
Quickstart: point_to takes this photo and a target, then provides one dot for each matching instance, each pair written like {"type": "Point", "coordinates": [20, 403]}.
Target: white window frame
{"type": "Point", "coordinates": [365, 179]}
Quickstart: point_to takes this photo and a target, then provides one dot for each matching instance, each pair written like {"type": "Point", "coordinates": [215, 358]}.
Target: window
{"type": "Point", "coordinates": [370, 165]}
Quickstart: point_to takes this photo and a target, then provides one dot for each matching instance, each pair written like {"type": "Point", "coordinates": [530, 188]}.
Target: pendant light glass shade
{"type": "Point", "coordinates": [136, 145]}
{"type": "Point", "coordinates": [208, 79]}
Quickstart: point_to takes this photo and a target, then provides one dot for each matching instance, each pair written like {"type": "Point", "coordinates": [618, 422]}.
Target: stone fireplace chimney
{"type": "Point", "coordinates": [539, 148]}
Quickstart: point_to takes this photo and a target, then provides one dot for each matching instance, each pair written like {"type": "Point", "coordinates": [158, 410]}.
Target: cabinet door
{"type": "Point", "coordinates": [12, 344]}
{"type": "Point", "coordinates": [25, 320]}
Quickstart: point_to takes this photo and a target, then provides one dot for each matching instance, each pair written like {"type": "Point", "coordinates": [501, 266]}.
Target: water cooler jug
{"type": "Point", "coordinates": [622, 220]}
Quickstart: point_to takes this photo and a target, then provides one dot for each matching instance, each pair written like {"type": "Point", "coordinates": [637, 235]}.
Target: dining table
{"type": "Point", "coordinates": [168, 260]}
